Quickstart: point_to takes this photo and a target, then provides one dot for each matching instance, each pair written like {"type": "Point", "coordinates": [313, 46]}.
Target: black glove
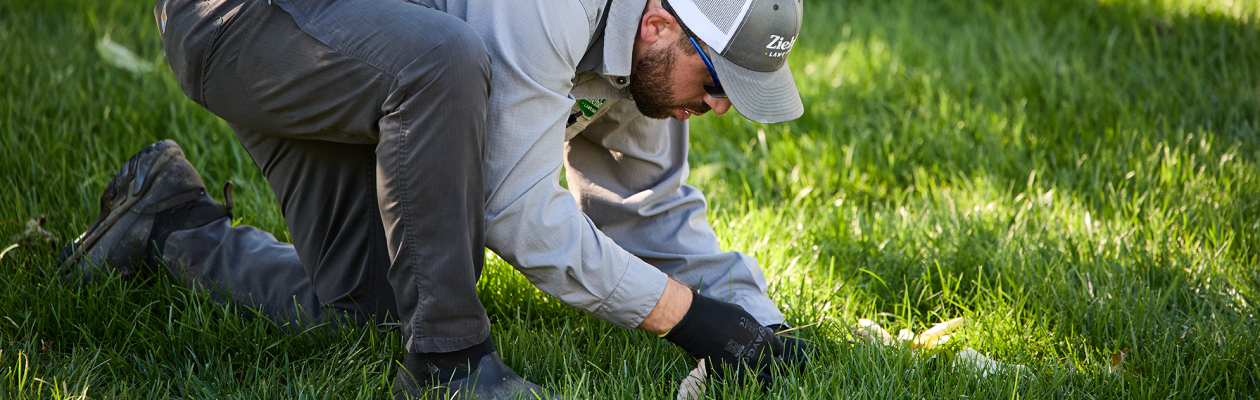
{"type": "Point", "coordinates": [729, 337]}
{"type": "Point", "coordinates": [796, 352]}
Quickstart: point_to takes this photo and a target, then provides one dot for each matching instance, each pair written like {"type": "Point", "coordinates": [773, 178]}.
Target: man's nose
{"type": "Point", "coordinates": [720, 105]}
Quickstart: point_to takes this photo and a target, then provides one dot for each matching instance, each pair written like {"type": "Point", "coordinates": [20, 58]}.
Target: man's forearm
{"type": "Point", "coordinates": [670, 309]}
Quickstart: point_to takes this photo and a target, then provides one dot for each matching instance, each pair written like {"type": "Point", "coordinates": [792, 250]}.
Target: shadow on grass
{"type": "Point", "coordinates": [1089, 170]}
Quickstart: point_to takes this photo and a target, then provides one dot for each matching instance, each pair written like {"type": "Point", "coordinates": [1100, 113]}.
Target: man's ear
{"type": "Point", "coordinates": [657, 24]}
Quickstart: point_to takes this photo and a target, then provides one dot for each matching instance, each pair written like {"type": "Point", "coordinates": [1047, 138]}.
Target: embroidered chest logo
{"type": "Point", "coordinates": [584, 109]}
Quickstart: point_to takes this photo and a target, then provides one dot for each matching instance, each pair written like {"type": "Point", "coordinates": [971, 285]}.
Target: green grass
{"type": "Point", "coordinates": [1077, 177]}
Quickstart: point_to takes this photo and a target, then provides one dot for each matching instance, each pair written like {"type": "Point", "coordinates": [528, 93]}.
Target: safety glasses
{"type": "Point", "coordinates": [714, 89]}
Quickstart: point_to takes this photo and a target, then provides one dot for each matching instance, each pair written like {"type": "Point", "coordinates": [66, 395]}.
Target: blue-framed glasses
{"type": "Point", "coordinates": [715, 89]}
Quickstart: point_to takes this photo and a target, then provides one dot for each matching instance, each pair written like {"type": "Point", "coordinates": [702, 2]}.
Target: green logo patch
{"type": "Point", "coordinates": [589, 107]}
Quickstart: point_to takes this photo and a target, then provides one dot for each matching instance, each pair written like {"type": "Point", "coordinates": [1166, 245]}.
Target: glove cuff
{"type": "Point", "coordinates": [713, 327]}
{"type": "Point", "coordinates": [684, 333]}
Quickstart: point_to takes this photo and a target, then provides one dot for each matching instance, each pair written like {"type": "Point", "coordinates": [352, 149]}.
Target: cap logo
{"type": "Point", "coordinates": [781, 45]}
{"type": "Point", "coordinates": [777, 43]}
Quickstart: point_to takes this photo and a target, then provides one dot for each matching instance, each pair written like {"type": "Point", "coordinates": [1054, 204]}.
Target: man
{"type": "Point", "coordinates": [401, 139]}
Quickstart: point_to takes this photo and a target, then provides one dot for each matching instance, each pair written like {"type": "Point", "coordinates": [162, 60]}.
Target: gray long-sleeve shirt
{"type": "Point", "coordinates": [628, 219]}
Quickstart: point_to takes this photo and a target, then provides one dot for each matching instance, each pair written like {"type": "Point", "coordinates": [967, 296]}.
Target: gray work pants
{"type": "Point", "coordinates": [371, 133]}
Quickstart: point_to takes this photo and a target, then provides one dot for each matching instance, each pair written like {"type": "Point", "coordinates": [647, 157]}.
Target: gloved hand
{"type": "Point", "coordinates": [796, 352]}
{"type": "Point", "coordinates": [729, 338]}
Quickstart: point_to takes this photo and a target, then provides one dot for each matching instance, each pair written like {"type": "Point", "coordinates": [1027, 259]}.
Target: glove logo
{"type": "Point", "coordinates": [735, 349]}
{"type": "Point", "coordinates": [751, 326]}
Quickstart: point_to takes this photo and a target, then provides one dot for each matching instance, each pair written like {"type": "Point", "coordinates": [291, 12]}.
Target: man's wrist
{"type": "Point", "coordinates": [672, 306]}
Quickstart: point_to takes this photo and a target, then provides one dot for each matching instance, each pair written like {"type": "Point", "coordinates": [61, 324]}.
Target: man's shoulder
{"type": "Point", "coordinates": [488, 14]}
{"type": "Point", "coordinates": [594, 10]}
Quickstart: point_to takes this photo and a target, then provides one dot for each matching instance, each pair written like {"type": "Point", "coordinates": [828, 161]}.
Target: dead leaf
{"type": "Point", "coordinates": [6, 250]}
{"type": "Point", "coordinates": [120, 56]}
{"type": "Point", "coordinates": [872, 332]}
{"type": "Point", "coordinates": [971, 358]}
{"type": "Point", "coordinates": [693, 386]}
{"type": "Point", "coordinates": [905, 334]}
{"type": "Point", "coordinates": [938, 334]}
{"type": "Point", "coordinates": [34, 233]}
{"type": "Point", "coordinates": [1117, 362]}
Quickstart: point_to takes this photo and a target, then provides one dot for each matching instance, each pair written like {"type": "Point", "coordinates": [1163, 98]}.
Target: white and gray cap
{"type": "Point", "coordinates": [751, 39]}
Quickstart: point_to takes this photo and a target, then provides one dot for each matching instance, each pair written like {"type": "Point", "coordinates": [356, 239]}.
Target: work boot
{"type": "Point", "coordinates": [155, 193]}
{"type": "Point", "coordinates": [484, 379]}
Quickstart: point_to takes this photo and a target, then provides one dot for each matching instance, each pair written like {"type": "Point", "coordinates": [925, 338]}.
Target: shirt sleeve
{"type": "Point", "coordinates": [531, 221]}
{"type": "Point", "coordinates": [628, 173]}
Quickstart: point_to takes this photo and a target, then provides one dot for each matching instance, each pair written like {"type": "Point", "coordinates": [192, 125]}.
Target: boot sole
{"type": "Point", "coordinates": [117, 213]}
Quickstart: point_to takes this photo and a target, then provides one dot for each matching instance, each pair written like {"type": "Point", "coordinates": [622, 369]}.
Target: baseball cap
{"type": "Point", "coordinates": [751, 39]}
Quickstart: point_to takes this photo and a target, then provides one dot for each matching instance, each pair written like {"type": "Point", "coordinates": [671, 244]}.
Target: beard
{"type": "Point", "coordinates": [650, 86]}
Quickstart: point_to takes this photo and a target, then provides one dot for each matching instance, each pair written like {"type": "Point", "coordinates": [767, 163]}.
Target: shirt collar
{"type": "Point", "coordinates": [619, 34]}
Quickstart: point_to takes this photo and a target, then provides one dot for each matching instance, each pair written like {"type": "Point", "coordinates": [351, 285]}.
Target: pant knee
{"type": "Point", "coordinates": [465, 59]}
{"type": "Point", "coordinates": [458, 60]}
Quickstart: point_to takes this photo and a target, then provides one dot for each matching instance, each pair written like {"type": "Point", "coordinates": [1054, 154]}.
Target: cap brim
{"type": "Point", "coordinates": [765, 97]}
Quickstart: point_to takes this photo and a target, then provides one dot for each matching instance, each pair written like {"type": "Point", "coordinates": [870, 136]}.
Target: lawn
{"type": "Point", "coordinates": [1078, 178]}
